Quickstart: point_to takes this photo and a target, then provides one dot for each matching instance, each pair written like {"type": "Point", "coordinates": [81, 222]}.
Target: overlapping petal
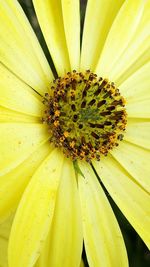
{"type": "Point", "coordinates": [137, 94]}
{"type": "Point", "coordinates": [7, 115]}
{"type": "Point", "coordinates": [139, 109]}
{"type": "Point", "coordinates": [5, 228]}
{"type": "Point", "coordinates": [18, 96]}
{"type": "Point", "coordinates": [44, 255]}
{"type": "Point", "coordinates": [136, 161]}
{"type": "Point", "coordinates": [50, 18]}
{"type": "Point", "coordinates": [19, 49]}
{"type": "Point", "coordinates": [136, 87]}
{"type": "Point", "coordinates": [137, 53]}
{"type": "Point", "coordinates": [132, 200]}
{"type": "Point", "coordinates": [71, 20]}
{"type": "Point", "coordinates": [3, 252]}
{"type": "Point", "coordinates": [13, 184]}
{"type": "Point", "coordinates": [35, 213]}
{"type": "Point", "coordinates": [138, 132]}
{"type": "Point", "coordinates": [102, 235]}
{"type": "Point", "coordinates": [99, 17]}
{"type": "Point", "coordinates": [119, 36]}
{"type": "Point", "coordinates": [18, 141]}
{"type": "Point", "coordinates": [66, 229]}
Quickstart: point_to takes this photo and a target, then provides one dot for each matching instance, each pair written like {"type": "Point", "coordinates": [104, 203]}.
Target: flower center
{"type": "Point", "coordinates": [85, 114]}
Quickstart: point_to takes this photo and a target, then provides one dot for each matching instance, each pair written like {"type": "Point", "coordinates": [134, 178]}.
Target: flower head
{"type": "Point", "coordinates": [58, 134]}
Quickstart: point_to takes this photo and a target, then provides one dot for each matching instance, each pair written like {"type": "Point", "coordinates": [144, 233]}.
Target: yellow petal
{"type": "Point", "coordinates": [98, 20]}
{"type": "Point", "coordinates": [3, 252]}
{"type": "Point", "coordinates": [13, 184]}
{"type": "Point", "coordinates": [136, 161]}
{"type": "Point", "coordinates": [137, 53]}
{"type": "Point", "coordinates": [138, 132]}
{"type": "Point", "coordinates": [82, 264]}
{"type": "Point", "coordinates": [44, 256]}
{"type": "Point", "coordinates": [136, 87]}
{"type": "Point", "coordinates": [19, 48]}
{"type": "Point", "coordinates": [137, 94]}
{"type": "Point", "coordinates": [140, 109]}
{"type": "Point", "coordinates": [102, 235]}
{"type": "Point", "coordinates": [18, 141]}
{"type": "Point", "coordinates": [119, 36]}
{"type": "Point", "coordinates": [16, 95]}
{"type": "Point", "coordinates": [141, 57]}
{"type": "Point", "coordinates": [50, 17]}
{"type": "Point", "coordinates": [7, 115]}
{"type": "Point", "coordinates": [35, 213]}
{"type": "Point", "coordinates": [5, 228]}
{"type": "Point", "coordinates": [66, 228]}
{"type": "Point", "coordinates": [71, 18]}
{"type": "Point", "coordinates": [132, 200]}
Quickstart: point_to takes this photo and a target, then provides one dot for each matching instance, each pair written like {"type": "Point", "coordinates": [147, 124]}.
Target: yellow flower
{"type": "Point", "coordinates": [59, 201]}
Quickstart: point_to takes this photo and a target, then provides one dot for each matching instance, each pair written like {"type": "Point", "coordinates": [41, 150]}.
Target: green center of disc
{"type": "Point", "coordinates": [85, 114]}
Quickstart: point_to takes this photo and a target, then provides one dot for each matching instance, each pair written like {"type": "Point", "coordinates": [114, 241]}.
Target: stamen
{"type": "Point", "coordinates": [85, 115]}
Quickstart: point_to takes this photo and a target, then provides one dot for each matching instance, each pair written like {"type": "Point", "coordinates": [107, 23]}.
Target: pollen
{"type": "Point", "coordinates": [56, 123]}
{"type": "Point", "coordinates": [57, 113]}
{"type": "Point", "coordinates": [85, 114]}
{"type": "Point", "coordinates": [66, 134]}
